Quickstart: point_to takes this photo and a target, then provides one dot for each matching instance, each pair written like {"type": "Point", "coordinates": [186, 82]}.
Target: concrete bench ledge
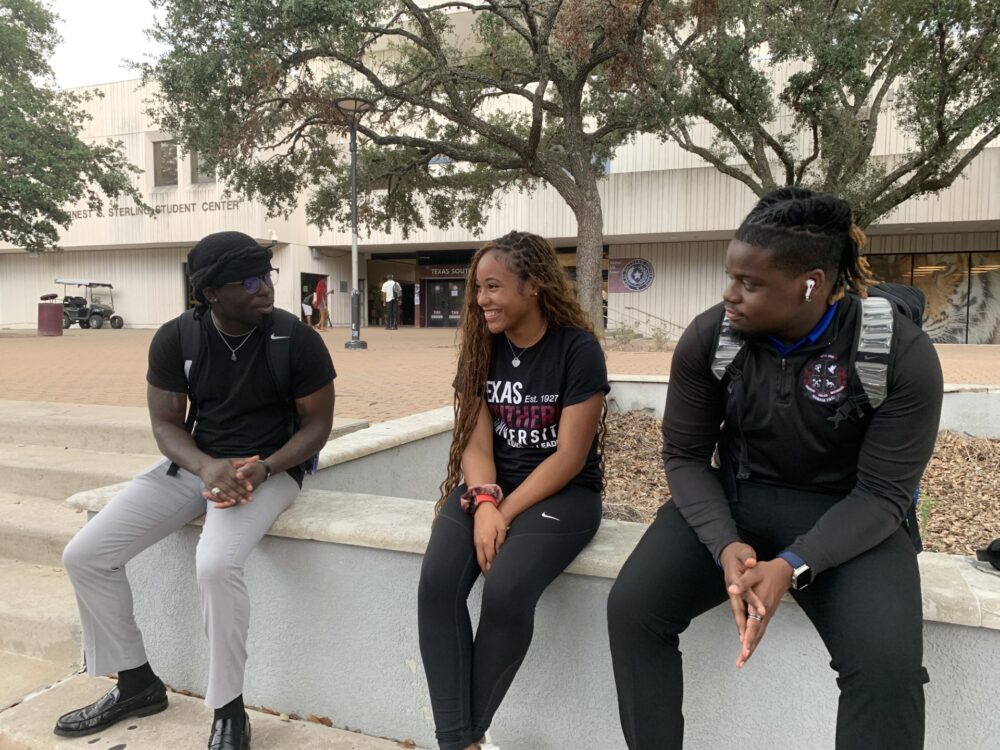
{"type": "Point", "coordinates": [956, 590]}
{"type": "Point", "coordinates": [384, 436]}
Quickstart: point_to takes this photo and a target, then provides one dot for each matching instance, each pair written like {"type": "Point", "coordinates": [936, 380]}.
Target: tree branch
{"type": "Point", "coordinates": [683, 138]}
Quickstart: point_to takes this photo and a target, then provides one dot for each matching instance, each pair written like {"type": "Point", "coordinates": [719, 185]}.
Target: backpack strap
{"type": "Point", "coordinates": [189, 331]}
{"type": "Point", "coordinates": [728, 358]}
{"type": "Point", "coordinates": [871, 363]}
{"type": "Point", "coordinates": [874, 343]}
{"type": "Point", "coordinates": [726, 349]}
{"type": "Point", "coordinates": [278, 345]}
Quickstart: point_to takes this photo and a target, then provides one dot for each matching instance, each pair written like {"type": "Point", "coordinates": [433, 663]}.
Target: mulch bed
{"type": "Point", "coordinates": [960, 507]}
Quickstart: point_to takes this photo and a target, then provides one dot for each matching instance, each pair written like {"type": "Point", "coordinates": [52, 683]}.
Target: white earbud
{"type": "Point", "coordinates": [810, 285]}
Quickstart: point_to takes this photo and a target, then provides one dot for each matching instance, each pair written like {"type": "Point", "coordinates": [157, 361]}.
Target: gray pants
{"type": "Point", "coordinates": [151, 507]}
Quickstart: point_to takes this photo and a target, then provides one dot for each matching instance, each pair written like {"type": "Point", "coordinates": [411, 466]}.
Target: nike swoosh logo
{"type": "Point", "coordinates": [546, 515]}
{"type": "Point", "coordinates": [277, 338]}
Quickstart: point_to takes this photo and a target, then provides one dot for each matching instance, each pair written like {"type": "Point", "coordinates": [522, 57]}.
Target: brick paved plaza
{"type": "Point", "coordinates": [401, 372]}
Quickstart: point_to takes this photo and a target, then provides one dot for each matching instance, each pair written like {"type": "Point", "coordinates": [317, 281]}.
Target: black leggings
{"type": "Point", "coordinates": [468, 680]}
{"type": "Point", "coordinates": [867, 611]}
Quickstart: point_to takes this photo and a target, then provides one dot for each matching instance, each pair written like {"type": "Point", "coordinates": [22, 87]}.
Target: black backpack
{"type": "Point", "coordinates": [279, 366]}
{"type": "Point", "coordinates": [869, 360]}
{"type": "Point", "coordinates": [990, 554]}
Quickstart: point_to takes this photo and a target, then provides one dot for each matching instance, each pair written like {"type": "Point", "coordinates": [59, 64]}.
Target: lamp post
{"type": "Point", "coordinates": [352, 108]}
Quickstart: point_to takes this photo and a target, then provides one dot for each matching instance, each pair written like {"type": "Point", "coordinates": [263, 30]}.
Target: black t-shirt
{"type": "Point", "coordinates": [240, 412]}
{"type": "Point", "coordinates": [566, 367]}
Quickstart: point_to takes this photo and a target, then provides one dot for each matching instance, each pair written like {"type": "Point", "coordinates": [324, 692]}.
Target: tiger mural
{"type": "Point", "coordinates": [957, 301]}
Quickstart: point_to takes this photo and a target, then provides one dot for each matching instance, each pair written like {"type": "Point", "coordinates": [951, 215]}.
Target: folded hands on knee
{"type": "Point", "coordinates": [234, 478]}
{"type": "Point", "coordinates": [755, 590]}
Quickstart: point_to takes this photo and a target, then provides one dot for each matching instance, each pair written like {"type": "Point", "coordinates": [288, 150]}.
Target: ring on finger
{"type": "Point", "coordinates": [216, 491]}
{"type": "Point", "coordinates": [754, 616]}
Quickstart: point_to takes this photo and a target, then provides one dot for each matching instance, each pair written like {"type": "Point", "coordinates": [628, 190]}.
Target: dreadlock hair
{"type": "Point", "coordinates": [806, 230]}
{"type": "Point", "coordinates": [529, 257]}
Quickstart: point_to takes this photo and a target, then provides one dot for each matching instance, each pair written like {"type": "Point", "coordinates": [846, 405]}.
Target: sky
{"type": "Point", "coordinates": [97, 38]}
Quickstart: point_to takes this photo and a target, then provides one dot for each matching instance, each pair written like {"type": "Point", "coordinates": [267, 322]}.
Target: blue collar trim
{"type": "Point", "coordinates": [809, 338]}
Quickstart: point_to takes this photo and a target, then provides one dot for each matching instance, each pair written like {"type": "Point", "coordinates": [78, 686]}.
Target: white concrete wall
{"type": "Point", "coordinates": [333, 632]}
{"type": "Point", "coordinates": [333, 628]}
{"type": "Point", "coordinates": [972, 410]}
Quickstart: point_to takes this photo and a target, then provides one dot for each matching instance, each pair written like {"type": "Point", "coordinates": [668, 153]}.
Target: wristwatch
{"type": "Point", "coordinates": [801, 577]}
{"type": "Point", "coordinates": [802, 574]}
{"type": "Point", "coordinates": [267, 469]}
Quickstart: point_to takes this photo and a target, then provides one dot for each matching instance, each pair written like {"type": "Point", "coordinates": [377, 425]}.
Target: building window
{"type": "Point", "coordinates": [164, 163]}
{"type": "Point", "coordinates": [961, 302]}
{"type": "Point", "coordinates": [200, 173]}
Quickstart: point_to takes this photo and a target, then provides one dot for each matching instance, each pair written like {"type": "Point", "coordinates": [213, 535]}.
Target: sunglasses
{"type": "Point", "coordinates": [252, 284]}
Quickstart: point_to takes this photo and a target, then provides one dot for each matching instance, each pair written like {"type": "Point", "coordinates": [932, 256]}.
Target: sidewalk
{"type": "Point", "coordinates": [402, 372]}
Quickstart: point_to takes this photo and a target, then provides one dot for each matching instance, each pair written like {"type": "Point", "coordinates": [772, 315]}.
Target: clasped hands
{"type": "Point", "coordinates": [235, 478]}
{"type": "Point", "coordinates": [755, 590]}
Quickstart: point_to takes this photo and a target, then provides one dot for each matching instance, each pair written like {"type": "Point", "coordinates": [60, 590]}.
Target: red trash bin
{"type": "Point", "coordinates": [50, 316]}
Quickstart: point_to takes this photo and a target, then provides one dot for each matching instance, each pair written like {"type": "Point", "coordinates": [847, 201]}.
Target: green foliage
{"type": "Point", "coordinates": [924, 509]}
{"type": "Point", "coordinates": [661, 338]}
{"type": "Point", "coordinates": [845, 70]}
{"type": "Point", "coordinates": [468, 104]}
{"type": "Point", "coordinates": [46, 167]}
{"type": "Point", "coordinates": [620, 337]}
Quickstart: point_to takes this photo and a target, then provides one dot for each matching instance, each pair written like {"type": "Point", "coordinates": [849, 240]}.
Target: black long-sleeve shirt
{"type": "Point", "coordinates": [872, 462]}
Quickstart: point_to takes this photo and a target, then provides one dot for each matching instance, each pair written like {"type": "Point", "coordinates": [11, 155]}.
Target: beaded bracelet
{"type": "Point", "coordinates": [470, 500]}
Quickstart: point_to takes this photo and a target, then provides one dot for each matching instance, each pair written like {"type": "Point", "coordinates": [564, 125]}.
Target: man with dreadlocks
{"type": "Point", "coordinates": [239, 467]}
{"type": "Point", "coordinates": [812, 488]}
{"type": "Point", "coordinates": [523, 491]}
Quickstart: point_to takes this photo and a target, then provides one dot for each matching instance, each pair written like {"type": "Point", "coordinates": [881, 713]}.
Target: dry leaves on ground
{"type": "Point", "coordinates": [960, 491]}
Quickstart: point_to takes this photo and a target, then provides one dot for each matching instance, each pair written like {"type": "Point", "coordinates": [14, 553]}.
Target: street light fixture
{"type": "Point", "coordinates": [352, 108]}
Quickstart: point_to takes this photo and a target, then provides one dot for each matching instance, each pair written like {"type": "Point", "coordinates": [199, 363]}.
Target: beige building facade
{"type": "Point", "coordinates": [668, 219]}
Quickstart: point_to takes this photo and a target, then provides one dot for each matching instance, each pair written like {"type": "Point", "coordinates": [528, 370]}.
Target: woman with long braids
{"type": "Point", "coordinates": [815, 479]}
{"type": "Point", "coordinates": [523, 491]}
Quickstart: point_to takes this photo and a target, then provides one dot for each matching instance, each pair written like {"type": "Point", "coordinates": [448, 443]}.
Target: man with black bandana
{"type": "Point", "coordinates": [239, 468]}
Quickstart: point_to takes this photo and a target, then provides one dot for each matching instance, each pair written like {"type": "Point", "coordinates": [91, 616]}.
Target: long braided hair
{"type": "Point", "coordinates": [806, 230]}
{"type": "Point", "coordinates": [529, 257]}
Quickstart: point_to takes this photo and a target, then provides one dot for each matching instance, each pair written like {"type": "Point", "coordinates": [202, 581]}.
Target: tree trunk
{"type": "Point", "coordinates": [590, 255]}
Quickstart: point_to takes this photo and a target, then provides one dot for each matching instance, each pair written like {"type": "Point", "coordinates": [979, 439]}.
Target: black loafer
{"type": "Point", "coordinates": [110, 709]}
{"type": "Point", "coordinates": [230, 734]}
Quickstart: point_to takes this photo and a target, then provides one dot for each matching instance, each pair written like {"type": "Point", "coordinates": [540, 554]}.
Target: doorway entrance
{"type": "Point", "coordinates": [444, 303]}
{"type": "Point", "coordinates": [307, 288]}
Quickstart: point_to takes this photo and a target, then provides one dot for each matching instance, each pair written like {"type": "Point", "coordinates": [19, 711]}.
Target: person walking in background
{"type": "Point", "coordinates": [816, 479]}
{"type": "Point", "coordinates": [391, 293]}
{"type": "Point", "coordinates": [523, 491]}
{"type": "Point", "coordinates": [261, 386]}
{"type": "Point", "coordinates": [320, 305]}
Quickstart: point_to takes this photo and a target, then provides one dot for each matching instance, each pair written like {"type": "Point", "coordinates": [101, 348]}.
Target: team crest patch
{"type": "Point", "coordinates": [825, 379]}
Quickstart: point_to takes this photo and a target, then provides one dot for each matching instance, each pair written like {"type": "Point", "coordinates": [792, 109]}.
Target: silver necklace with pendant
{"type": "Point", "coordinates": [219, 330]}
{"type": "Point", "coordinates": [516, 361]}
